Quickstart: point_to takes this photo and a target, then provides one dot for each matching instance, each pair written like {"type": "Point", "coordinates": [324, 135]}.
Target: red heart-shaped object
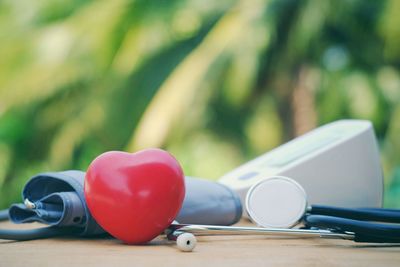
{"type": "Point", "coordinates": [134, 197]}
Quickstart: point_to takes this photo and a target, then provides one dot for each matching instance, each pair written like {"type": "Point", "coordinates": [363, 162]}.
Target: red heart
{"type": "Point", "coordinates": [135, 197]}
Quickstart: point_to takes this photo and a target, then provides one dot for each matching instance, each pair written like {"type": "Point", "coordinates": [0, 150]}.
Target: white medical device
{"type": "Point", "coordinates": [336, 164]}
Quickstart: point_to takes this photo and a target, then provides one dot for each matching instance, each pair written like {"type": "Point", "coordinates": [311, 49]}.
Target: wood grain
{"type": "Point", "coordinates": [210, 251]}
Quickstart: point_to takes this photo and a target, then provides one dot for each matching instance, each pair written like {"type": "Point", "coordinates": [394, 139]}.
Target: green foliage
{"type": "Point", "coordinates": [214, 82]}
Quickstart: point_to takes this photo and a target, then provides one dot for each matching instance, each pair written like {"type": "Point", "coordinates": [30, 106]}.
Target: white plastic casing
{"type": "Point", "coordinates": [337, 164]}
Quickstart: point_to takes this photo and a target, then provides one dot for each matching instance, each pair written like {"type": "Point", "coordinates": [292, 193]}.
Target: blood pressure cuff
{"type": "Point", "coordinates": [57, 199]}
{"type": "Point", "coordinates": [210, 203]}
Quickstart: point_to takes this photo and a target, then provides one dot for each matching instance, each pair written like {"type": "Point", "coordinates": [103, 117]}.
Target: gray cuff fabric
{"type": "Point", "coordinates": [56, 199]}
{"type": "Point", "coordinates": [208, 202]}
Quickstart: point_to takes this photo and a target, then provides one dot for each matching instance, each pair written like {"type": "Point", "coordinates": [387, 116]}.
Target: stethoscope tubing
{"type": "Point", "coordinates": [363, 231]}
{"type": "Point", "coordinates": [368, 224]}
{"type": "Point", "coordinates": [213, 230]}
{"type": "Point", "coordinates": [362, 214]}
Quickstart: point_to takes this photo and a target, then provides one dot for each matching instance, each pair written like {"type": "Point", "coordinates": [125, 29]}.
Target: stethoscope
{"type": "Point", "coordinates": [184, 234]}
{"type": "Point", "coordinates": [274, 204]}
{"type": "Point", "coordinates": [278, 203]}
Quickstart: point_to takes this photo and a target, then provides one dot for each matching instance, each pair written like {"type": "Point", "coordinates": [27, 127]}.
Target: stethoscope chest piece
{"type": "Point", "coordinates": [276, 202]}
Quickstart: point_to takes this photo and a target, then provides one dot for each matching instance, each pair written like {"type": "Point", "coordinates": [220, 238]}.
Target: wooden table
{"type": "Point", "coordinates": [210, 251]}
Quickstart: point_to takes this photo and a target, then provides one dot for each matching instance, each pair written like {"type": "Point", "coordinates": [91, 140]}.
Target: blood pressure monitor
{"type": "Point", "coordinates": [337, 164]}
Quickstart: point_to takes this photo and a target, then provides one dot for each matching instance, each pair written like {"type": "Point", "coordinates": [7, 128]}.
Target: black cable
{"type": "Point", "coordinates": [39, 233]}
{"type": "Point", "coordinates": [364, 214]}
{"type": "Point", "coordinates": [364, 231]}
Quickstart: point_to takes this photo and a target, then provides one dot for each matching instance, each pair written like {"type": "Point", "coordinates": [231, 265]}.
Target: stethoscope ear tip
{"type": "Point", "coordinates": [186, 242]}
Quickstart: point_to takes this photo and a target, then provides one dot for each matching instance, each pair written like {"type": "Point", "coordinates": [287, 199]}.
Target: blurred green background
{"type": "Point", "coordinates": [214, 82]}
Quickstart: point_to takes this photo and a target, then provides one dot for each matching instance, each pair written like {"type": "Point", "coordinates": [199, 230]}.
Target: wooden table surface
{"type": "Point", "coordinates": [210, 251]}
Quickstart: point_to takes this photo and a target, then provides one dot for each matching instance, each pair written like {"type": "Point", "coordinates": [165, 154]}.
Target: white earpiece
{"type": "Point", "coordinates": [186, 242]}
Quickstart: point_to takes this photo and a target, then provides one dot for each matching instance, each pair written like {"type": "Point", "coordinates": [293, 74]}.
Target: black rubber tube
{"type": "Point", "coordinates": [364, 214]}
{"type": "Point", "coordinates": [38, 233]}
{"type": "Point", "coordinates": [364, 231]}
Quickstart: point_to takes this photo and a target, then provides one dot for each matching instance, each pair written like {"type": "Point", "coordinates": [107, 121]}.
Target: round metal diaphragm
{"type": "Point", "coordinates": [277, 202]}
